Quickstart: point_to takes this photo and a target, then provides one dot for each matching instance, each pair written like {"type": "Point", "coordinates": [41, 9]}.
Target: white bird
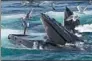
{"type": "Point", "coordinates": [81, 9]}
{"type": "Point", "coordinates": [45, 3]}
{"type": "Point", "coordinates": [24, 2]}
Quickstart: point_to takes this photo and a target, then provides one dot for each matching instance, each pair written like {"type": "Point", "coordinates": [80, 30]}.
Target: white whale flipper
{"type": "Point", "coordinates": [30, 14]}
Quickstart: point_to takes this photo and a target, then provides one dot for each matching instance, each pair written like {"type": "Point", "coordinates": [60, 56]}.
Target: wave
{"type": "Point", "coordinates": [56, 15]}
{"type": "Point", "coordinates": [50, 13]}
{"type": "Point", "coordinates": [84, 28]}
{"type": "Point", "coordinates": [62, 13]}
{"type": "Point", "coordinates": [14, 19]}
{"type": "Point", "coordinates": [6, 32]}
{"type": "Point", "coordinates": [12, 16]}
{"type": "Point", "coordinates": [84, 18]}
{"type": "Point", "coordinates": [45, 3]}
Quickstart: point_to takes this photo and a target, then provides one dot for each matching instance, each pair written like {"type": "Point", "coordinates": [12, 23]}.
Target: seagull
{"type": "Point", "coordinates": [25, 3]}
{"type": "Point", "coordinates": [53, 6]}
{"type": "Point", "coordinates": [81, 9]}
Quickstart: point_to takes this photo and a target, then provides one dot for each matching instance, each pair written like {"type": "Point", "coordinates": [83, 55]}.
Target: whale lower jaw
{"type": "Point", "coordinates": [40, 44]}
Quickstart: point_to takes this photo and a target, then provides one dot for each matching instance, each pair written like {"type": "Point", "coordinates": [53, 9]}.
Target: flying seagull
{"type": "Point", "coordinates": [81, 9]}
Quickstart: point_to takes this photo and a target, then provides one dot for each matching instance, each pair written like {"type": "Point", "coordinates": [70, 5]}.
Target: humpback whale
{"type": "Point", "coordinates": [57, 36]}
{"type": "Point", "coordinates": [70, 20]}
{"type": "Point", "coordinates": [56, 33]}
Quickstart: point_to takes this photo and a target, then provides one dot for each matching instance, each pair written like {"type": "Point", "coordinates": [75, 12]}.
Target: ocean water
{"type": "Point", "coordinates": [12, 11]}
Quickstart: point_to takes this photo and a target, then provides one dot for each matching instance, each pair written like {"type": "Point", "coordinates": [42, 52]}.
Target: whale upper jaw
{"type": "Point", "coordinates": [58, 33]}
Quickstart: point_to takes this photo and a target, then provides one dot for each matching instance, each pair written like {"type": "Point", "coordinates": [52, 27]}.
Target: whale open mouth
{"type": "Point", "coordinates": [57, 33]}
